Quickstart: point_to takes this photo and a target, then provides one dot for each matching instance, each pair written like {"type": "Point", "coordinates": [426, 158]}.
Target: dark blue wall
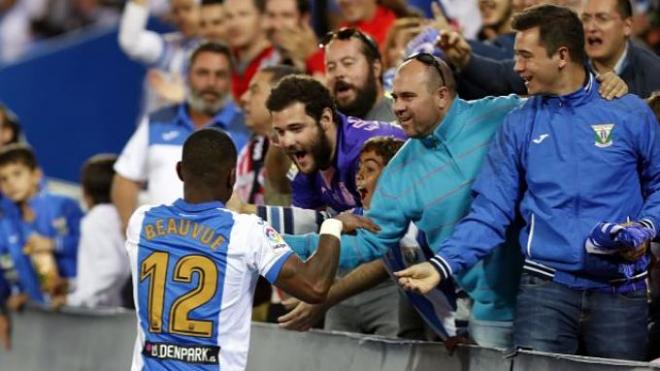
{"type": "Point", "coordinates": [78, 96]}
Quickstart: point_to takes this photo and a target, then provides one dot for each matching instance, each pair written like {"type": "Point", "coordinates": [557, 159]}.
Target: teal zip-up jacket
{"type": "Point", "coordinates": [428, 182]}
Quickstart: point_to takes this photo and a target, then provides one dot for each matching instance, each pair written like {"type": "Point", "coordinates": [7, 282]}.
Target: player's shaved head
{"type": "Point", "coordinates": [208, 160]}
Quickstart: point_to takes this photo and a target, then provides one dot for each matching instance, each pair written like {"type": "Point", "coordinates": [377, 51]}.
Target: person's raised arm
{"type": "Point", "coordinates": [134, 39]}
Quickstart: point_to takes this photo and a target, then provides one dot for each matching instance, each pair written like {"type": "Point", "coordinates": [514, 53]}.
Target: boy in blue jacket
{"type": "Point", "coordinates": [42, 232]}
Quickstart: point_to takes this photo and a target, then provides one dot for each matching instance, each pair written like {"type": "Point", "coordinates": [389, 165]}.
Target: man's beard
{"type": "Point", "coordinates": [197, 103]}
{"type": "Point", "coordinates": [321, 152]}
{"type": "Point", "coordinates": [365, 97]}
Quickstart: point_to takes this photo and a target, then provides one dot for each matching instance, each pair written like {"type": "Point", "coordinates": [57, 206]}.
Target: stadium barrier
{"type": "Point", "coordinates": [79, 340]}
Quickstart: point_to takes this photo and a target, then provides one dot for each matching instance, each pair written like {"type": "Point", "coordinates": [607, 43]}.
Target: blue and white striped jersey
{"type": "Point", "coordinates": [195, 267]}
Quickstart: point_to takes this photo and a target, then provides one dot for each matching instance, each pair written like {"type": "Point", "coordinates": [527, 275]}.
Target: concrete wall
{"type": "Point", "coordinates": [99, 341]}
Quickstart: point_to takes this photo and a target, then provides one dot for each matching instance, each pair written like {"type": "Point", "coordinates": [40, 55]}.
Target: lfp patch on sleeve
{"type": "Point", "coordinates": [275, 240]}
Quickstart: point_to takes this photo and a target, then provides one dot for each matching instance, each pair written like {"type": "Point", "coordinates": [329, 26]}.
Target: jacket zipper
{"type": "Point", "coordinates": [531, 236]}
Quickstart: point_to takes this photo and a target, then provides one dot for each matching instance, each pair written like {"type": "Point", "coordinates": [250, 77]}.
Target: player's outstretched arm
{"type": "Point", "coordinates": [310, 281]}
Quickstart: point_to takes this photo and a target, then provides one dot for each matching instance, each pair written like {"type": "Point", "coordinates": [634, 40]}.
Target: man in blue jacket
{"type": "Point", "coordinates": [568, 162]}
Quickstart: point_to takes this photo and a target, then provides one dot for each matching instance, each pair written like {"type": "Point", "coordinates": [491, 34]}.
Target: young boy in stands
{"type": "Point", "coordinates": [103, 265]}
{"type": "Point", "coordinates": [42, 233]}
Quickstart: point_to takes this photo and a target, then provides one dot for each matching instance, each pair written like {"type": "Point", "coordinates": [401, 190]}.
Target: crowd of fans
{"type": "Point", "coordinates": [320, 125]}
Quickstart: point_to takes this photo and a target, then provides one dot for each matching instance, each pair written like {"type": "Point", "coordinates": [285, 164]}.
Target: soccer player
{"type": "Point", "coordinates": [195, 266]}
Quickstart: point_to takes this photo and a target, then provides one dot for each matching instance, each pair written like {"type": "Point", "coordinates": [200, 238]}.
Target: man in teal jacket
{"type": "Point", "coordinates": [428, 182]}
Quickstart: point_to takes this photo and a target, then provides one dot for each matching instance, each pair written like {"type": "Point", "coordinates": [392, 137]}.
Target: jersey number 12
{"type": "Point", "coordinates": [154, 267]}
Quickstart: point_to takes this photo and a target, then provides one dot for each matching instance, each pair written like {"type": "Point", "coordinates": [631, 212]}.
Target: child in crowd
{"type": "Point", "coordinates": [103, 266]}
{"type": "Point", "coordinates": [41, 232]}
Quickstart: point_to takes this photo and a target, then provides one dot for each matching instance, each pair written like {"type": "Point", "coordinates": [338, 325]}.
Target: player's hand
{"type": "Point", "coordinates": [5, 331]}
{"type": "Point", "coordinates": [302, 317]}
{"type": "Point", "coordinates": [456, 48]}
{"type": "Point", "coordinates": [37, 243]}
{"type": "Point", "coordinates": [419, 278]}
{"type": "Point", "coordinates": [352, 222]}
{"type": "Point", "coordinates": [612, 86]}
{"type": "Point", "coordinates": [289, 302]}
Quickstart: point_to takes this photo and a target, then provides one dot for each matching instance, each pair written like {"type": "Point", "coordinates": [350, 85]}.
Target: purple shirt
{"type": "Point", "coordinates": [339, 192]}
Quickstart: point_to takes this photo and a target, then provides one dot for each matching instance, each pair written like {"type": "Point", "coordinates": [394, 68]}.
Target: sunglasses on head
{"type": "Point", "coordinates": [429, 60]}
{"type": "Point", "coordinates": [346, 33]}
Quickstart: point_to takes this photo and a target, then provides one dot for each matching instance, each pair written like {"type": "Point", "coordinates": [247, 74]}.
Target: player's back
{"type": "Point", "coordinates": [194, 270]}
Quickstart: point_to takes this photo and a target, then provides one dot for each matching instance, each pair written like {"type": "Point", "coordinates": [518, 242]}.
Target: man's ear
{"type": "Point", "coordinates": [6, 134]}
{"type": "Point", "coordinates": [627, 27]}
{"type": "Point", "coordinates": [305, 19]}
{"type": "Point", "coordinates": [564, 56]}
{"type": "Point", "coordinates": [378, 69]}
{"type": "Point", "coordinates": [38, 174]}
{"type": "Point", "coordinates": [327, 121]}
{"type": "Point", "coordinates": [442, 97]}
{"type": "Point", "coordinates": [179, 171]}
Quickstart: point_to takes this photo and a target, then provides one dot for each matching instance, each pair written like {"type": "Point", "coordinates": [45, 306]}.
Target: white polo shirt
{"type": "Point", "coordinates": [150, 156]}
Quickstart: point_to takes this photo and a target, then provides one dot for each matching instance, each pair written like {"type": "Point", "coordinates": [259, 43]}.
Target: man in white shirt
{"type": "Point", "coordinates": [154, 149]}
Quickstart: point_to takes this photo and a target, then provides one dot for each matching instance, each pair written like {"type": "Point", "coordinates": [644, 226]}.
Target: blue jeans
{"type": "Point", "coordinates": [554, 318]}
{"type": "Point", "coordinates": [492, 334]}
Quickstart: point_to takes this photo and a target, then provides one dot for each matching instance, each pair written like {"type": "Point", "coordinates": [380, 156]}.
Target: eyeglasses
{"type": "Point", "coordinates": [429, 60]}
{"type": "Point", "coordinates": [346, 33]}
